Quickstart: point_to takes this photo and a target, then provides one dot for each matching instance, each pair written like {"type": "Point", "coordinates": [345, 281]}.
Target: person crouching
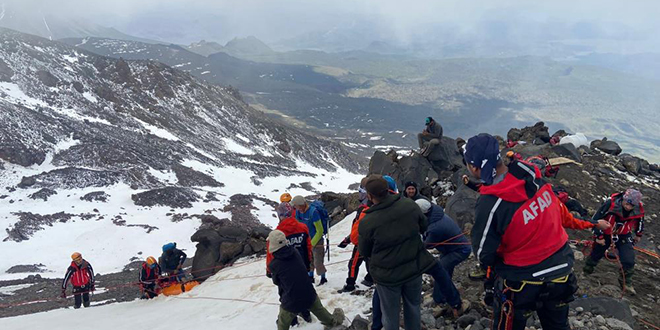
{"type": "Point", "coordinates": [297, 294]}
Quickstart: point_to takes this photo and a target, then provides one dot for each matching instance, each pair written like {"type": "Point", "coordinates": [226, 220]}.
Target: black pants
{"type": "Point", "coordinates": [549, 301]}
{"type": "Point", "coordinates": [81, 296]}
{"type": "Point", "coordinates": [623, 245]}
{"type": "Point", "coordinates": [149, 291]}
{"type": "Point", "coordinates": [354, 267]}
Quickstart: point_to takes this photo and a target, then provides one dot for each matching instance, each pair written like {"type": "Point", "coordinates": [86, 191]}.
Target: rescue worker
{"type": "Point", "coordinates": [297, 236]}
{"type": "Point", "coordinates": [171, 262]}
{"type": "Point", "coordinates": [81, 275]}
{"type": "Point", "coordinates": [518, 232]}
{"type": "Point", "coordinates": [625, 213]}
{"type": "Point", "coordinates": [149, 277]}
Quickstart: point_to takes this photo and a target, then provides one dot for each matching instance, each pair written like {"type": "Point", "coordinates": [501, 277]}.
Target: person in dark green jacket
{"type": "Point", "coordinates": [390, 237]}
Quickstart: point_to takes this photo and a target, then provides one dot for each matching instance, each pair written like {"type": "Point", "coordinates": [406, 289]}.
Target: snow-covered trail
{"type": "Point", "coordinates": [197, 309]}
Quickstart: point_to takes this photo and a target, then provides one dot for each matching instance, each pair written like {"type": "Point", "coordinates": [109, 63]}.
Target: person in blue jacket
{"type": "Point", "coordinates": [310, 216]}
{"type": "Point", "coordinates": [445, 236]}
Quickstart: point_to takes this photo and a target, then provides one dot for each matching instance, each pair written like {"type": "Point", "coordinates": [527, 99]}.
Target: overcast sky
{"type": "Point", "coordinates": [184, 21]}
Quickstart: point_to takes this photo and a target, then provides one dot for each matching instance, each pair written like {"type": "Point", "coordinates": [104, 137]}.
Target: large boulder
{"type": "Point", "coordinates": [567, 150]}
{"type": "Point", "coordinates": [537, 134]}
{"type": "Point", "coordinates": [207, 254]}
{"type": "Point", "coordinates": [460, 206]}
{"type": "Point", "coordinates": [632, 164]}
{"type": "Point", "coordinates": [606, 146]}
{"type": "Point", "coordinates": [446, 156]}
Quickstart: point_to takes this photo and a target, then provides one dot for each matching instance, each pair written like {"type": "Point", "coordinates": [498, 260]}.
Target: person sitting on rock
{"type": "Point", "coordinates": [430, 137]}
{"type": "Point", "coordinates": [171, 262]}
{"type": "Point", "coordinates": [356, 258]}
{"type": "Point", "coordinates": [149, 277]}
{"type": "Point", "coordinates": [297, 294]}
{"type": "Point", "coordinates": [412, 191]}
{"type": "Point", "coordinates": [625, 213]}
{"type": "Point", "coordinates": [81, 275]}
{"type": "Point", "coordinates": [297, 236]}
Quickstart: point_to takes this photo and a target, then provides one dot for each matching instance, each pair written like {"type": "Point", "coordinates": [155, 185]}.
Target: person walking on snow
{"type": "Point", "coordinates": [172, 261]}
{"type": "Point", "coordinates": [297, 294]}
{"type": "Point", "coordinates": [149, 277]}
{"type": "Point", "coordinates": [81, 275]}
{"type": "Point", "coordinates": [430, 137]}
{"type": "Point", "coordinates": [356, 258]}
{"type": "Point", "coordinates": [297, 236]}
{"type": "Point", "coordinates": [625, 213]}
{"type": "Point", "coordinates": [518, 232]}
{"type": "Point", "coordinates": [311, 217]}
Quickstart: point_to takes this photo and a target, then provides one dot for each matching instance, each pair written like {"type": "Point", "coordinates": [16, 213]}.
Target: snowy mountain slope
{"type": "Point", "coordinates": [74, 123]}
{"type": "Point", "coordinates": [201, 308]}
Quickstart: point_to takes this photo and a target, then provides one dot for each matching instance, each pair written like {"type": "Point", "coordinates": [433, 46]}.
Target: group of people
{"type": "Point", "coordinates": [519, 240]}
{"type": "Point", "coordinates": [153, 275]}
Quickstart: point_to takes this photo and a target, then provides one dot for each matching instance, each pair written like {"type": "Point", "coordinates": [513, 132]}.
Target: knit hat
{"type": "Point", "coordinates": [428, 120]}
{"type": "Point", "coordinates": [298, 201]}
{"type": "Point", "coordinates": [483, 152]}
{"type": "Point", "coordinates": [411, 184]}
{"type": "Point", "coordinates": [424, 205]}
{"type": "Point", "coordinates": [284, 210]}
{"type": "Point", "coordinates": [632, 196]}
{"type": "Point", "coordinates": [391, 184]}
{"type": "Point", "coordinates": [276, 240]}
{"type": "Point", "coordinates": [285, 198]}
{"type": "Point", "coordinates": [376, 185]}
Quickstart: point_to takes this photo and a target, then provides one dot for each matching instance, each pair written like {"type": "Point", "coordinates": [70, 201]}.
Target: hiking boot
{"type": "Point", "coordinates": [86, 304]}
{"type": "Point", "coordinates": [307, 316]}
{"type": "Point", "coordinates": [477, 274]}
{"type": "Point", "coordinates": [294, 322]}
{"type": "Point", "coordinates": [367, 283]}
{"type": "Point", "coordinates": [347, 288]}
{"type": "Point", "coordinates": [463, 309]}
{"type": "Point", "coordinates": [322, 281]}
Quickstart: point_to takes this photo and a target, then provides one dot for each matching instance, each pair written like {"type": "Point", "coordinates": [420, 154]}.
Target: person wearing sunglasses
{"type": "Point", "coordinates": [625, 213]}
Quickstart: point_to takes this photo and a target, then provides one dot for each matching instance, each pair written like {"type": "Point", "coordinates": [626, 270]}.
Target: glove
{"type": "Point", "coordinates": [63, 295]}
{"type": "Point", "coordinates": [92, 287]}
{"type": "Point", "coordinates": [269, 275]}
{"type": "Point", "coordinates": [489, 298]}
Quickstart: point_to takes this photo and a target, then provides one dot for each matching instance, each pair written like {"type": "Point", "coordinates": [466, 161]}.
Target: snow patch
{"type": "Point", "coordinates": [70, 59]}
{"type": "Point", "coordinates": [10, 290]}
{"type": "Point", "coordinates": [233, 146]}
{"type": "Point", "coordinates": [13, 94]}
{"type": "Point", "coordinates": [157, 131]}
{"type": "Point", "coordinates": [75, 115]}
{"type": "Point", "coordinates": [90, 97]}
{"type": "Point", "coordinates": [205, 72]}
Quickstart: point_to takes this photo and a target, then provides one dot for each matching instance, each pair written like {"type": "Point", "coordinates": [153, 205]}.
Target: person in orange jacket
{"type": "Point", "coordinates": [356, 259]}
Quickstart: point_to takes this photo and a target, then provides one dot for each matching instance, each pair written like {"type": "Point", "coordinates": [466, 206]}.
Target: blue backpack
{"type": "Point", "coordinates": [325, 218]}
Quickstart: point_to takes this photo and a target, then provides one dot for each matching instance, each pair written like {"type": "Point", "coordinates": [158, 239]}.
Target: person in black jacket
{"type": "Point", "coordinates": [149, 276]}
{"type": "Point", "coordinates": [297, 294]}
{"type": "Point", "coordinates": [171, 262]}
{"type": "Point", "coordinates": [430, 137]}
{"type": "Point", "coordinates": [412, 191]}
{"type": "Point", "coordinates": [81, 275]}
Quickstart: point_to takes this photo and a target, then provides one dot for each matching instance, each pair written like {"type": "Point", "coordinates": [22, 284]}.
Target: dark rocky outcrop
{"type": "Point", "coordinates": [29, 223]}
{"type": "Point", "coordinates": [43, 194]}
{"type": "Point", "coordinates": [39, 268]}
{"type": "Point", "coordinates": [537, 134]}
{"type": "Point", "coordinates": [187, 177]}
{"type": "Point", "coordinates": [607, 307]}
{"type": "Point", "coordinates": [607, 146]}
{"type": "Point", "coordinates": [174, 197]}
{"type": "Point", "coordinates": [95, 196]}
{"type": "Point", "coordinates": [631, 163]}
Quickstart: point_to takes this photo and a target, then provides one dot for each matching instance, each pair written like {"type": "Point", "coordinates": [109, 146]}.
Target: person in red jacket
{"type": "Point", "coordinates": [519, 233]}
{"type": "Point", "coordinates": [625, 212]}
{"type": "Point", "coordinates": [81, 275]}
{"type": "Point", "coordinates": [149, 278]}
{"type": "Point", "coordinates": [297, 235]}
